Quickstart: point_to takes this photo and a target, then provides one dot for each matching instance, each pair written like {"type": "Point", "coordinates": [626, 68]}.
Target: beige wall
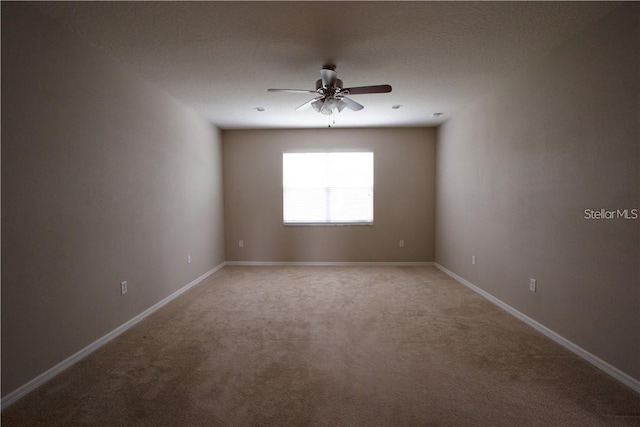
{"type": "Point", "coordinates": [104, 178]}
{"type": "Point", "coordinates": [516, 172]}
{"type": "Point", "coordinates": [403, 197]}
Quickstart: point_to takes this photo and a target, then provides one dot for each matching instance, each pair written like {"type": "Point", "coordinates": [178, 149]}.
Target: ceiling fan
{"type": "Point", "coordinates": [331, 95]}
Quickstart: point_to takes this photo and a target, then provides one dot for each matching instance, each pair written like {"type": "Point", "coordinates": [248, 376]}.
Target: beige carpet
{"type": "Point", "coordinates": [343, 346]}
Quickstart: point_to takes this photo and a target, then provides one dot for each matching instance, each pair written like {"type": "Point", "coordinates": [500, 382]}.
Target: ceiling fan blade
{"type": "Point", "coordinates": [308, 103]}
{"type": "Point", "coordinates": [367, 89]}
{"type": "Point", "coordinates": [328, 77]}
{"type": "Point", "coordinates": [352, 105]}
{"type": "Point", "coordinates": [292, 90]}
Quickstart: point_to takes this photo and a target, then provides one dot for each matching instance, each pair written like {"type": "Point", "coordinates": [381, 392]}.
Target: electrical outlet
{"type": "Point", "coordinates": [473, 259]}
{"type": "Point", "coordinates": [123, 287]}
{"type": "Point", "coordinates": [532, 285]}
{"type": "Point", "coordinates": [401, 243]}
{"type": "Point", "coordinates": [188, 259]}
{"type": "Point", "coordinates": [241, 243]}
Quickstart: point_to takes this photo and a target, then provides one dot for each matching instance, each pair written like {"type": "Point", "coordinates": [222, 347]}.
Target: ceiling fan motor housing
{"type": "Point", "coordinates": [337, 85]}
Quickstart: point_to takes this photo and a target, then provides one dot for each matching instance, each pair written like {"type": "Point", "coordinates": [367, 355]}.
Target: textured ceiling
{"type": "Point", "coordinates": [220, 57]}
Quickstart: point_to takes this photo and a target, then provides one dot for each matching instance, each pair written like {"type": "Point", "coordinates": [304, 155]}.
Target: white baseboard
{"type": "Point", "coordinates": [328, 264]}
{"type": "Point", "coordinates": [20, 392]}
{"type": "Point", "coordinates": [579, 351]}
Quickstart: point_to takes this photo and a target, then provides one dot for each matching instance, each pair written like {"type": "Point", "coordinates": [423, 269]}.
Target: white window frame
{"type": "Point", "coordinates": [327, 221]}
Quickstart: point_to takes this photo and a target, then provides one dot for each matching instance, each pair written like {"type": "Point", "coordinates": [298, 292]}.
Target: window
{"type": "Point", "coordinates": [327, 188]}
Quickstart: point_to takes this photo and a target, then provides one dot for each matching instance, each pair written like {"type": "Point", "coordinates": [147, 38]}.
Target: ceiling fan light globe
{"type": "Point", "coordinates": [317, 105]}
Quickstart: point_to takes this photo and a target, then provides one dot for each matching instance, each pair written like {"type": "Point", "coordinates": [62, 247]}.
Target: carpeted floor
{"type": "Point", "coordinates": [330, 346]}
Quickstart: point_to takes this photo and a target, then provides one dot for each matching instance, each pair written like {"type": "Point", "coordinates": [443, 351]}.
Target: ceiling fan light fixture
{"type": "Point", "coordinates": [330, 103]}
{"type": "Point", "coordinates": [317, 105]}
